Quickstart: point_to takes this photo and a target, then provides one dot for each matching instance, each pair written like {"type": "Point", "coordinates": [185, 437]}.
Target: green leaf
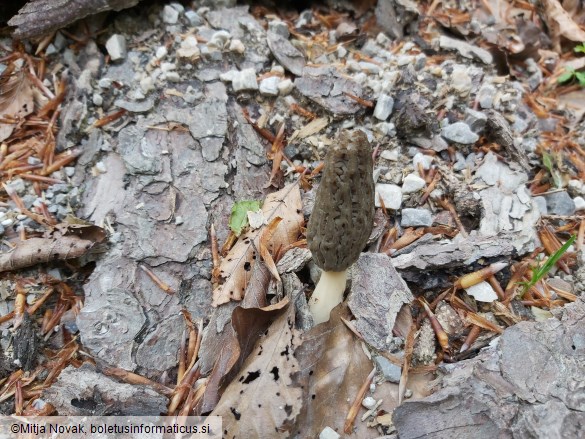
{"type": "Point", "coordinates": [239, 215]}
{"type": "Point", "coordinates": [547, 161]}
{"type": "Point", "coordinates": [567, 76]}
{"type": "Point", "coordinates": [581, 78]}
{"type": "Point", "coordinates": [580, 48]}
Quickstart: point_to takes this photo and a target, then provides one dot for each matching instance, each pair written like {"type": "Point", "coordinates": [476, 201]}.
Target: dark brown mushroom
{"type": "Point", "coordinates": [342, 218]}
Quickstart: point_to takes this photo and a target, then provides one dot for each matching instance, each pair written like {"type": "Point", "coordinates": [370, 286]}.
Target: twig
{"type": "Point", "coordinates": [355, 406]}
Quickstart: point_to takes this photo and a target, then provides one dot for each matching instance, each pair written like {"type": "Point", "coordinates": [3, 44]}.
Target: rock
{"type": "Point", "coordinates": [97, 99]}
{"type": "Point", "coordinates": [219, 39]}
{"type": "Point", "coordinates": [368, 402]}
{"type": "Point", "coordinates": [285, 87]}
{"type": "Point", "coordinates": [17, 185]}
{"type": "Point", "coordinates": [269, 86]}
{"type": "Point", "coordinates": [384, 107]}
{"type": "Point", "coordinates": [560, 203]}
{"type": "Point", "coordinates": [460, 132]}
{"type": "Point", "coordinates": [390, 155]}
{"type": "Point", "coordinates": [245, 80]}
{"type": "Point", "coordinates": [424, 160]}
{"type": "Point", "coordinates": [416, 218]}
{"type": "Point", "coordinates": [476, 120]}
{"type": "Point", "coordinates": [412, 183]}
{"type": "Point", "coordinates": [328, 433]}
{"type": "Point", "coordinates": [391, 196]}
{"type": "Point", "coordinates": [170, 15]}
{"type": "Point", "coordinates": [285, 53]}
{"type": "Point", "coordinates": [237, 46]}
{"type": "Point", "coordinates": [391, 371]}
{"type": "Point", "coordinates": [436, 143]}
{"type": "Point", "coordinates": [465, 49]}
{"type": "Point", "coordinates": [579, 203]}
{"type": "Point", "coordinates": [540, 203]}
{"type": "Point", "coordinates": [194, 18]}
{"type": "Point", "coordinates": [460, 82]}
{"type": "Point", "coordinates": [482, 292]}
{"type": "Point", "coordinates": [279, 27]}
{"type": "Point", "coordinates": [116, 47]}
{"type": "Point", "coordinates": [189, 48]}
{"type": "Point", "coordinates": [485, 96]}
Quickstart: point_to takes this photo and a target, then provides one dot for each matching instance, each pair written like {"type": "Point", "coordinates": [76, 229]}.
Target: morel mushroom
{"type": "Point", "coordinates": [342, 218]}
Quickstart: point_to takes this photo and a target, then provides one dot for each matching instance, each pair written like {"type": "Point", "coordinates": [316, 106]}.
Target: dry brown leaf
{"type": "Point", "coordinates": [575, 101]}
{"type": "Point", "coordinates": [560, 24]}
{"type": "Point", "coordinates": [311, 128]}
{"type": "Point", "coordinates": [333, 368]}
{"type": "Point", "coordinates": [264, 240]}
{"type": "Point", "coordinates": [42, 250]}
{"type": "Point", "coordinates": [262, 401]}
{"type": "Point", "coordinates": [236, 268]}
{"type": "Point", "coordinates": [16, 100]}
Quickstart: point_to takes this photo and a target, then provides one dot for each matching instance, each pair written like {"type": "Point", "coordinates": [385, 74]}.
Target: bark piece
{"type": "Point", "coordinates": [85, 392]}
{"type": "Point", "coordinates": [285, 53]}
{"type": "Point", "coordinates": [523, 386]}
{"type": "Point", "coordinates": [377, 295]}
{"type": "Point", "coordinates": [39, 17]}
{"type": "Point", "coordinates": [453, 253]}
{"type": "Point", "coordinates": [329, 88]}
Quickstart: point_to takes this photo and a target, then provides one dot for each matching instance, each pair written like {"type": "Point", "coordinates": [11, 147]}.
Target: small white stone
{"type": "Point", "coordinates": [178, 7]}
{"type": "Point", "coordinates": [341, 52]}
{"type": "Point", "coordinates": [329, 433]}
{"type": "Point", "coordinates": [425, 160]}
{"type": "Point", "coordinates": [285, 87]}
{"type": "Point", "coordinates": [412, 183]}
{"type": "Point", "coordinates": [391, 196]}
{"type": "Point", "coordinates": [69, 171]}
{"type": "Point", "coordinates": [116, 47]}
{"type": "Point", "coordinates": [482, 292]}
{"type": "Point", "coordinates": [179, 220]}
{"type": "Point", "coordinates": [161, 52]}
{"type": "Point", "coordinates": [147, 84]}
{"type": "Point", "coordinates": [228, 76]}
{"type": "Point", "coordinates": [170, 15]}
{"type": "Point", "coordinates": [237, 46]}
{"type": "Point", "coordinates": [173, 77]}
{"type": "Point", "coordinates": [245, 80]}
{"type": "Point", "coordinates": [101, 167]}
{"type": "Point", "coordinates": [105, 83]}
{"type": "Point", "coordinates": [189, 48]}
{"type": "Point", "coordinates": [579, 203]}
{"type": "Point", "coordinates": [7, 222]}
{"type": "Point", "coordinates": [368, 402]}
{"type": "Point", "coordinates": [269, 86]}
{"type": "Point", "coordinates": [168, 66]}
{"type": "Point", "coordinates": [97, 99]}
{"type": "Point", "coordinates": [390, 155]}
{"type": "Point", "coordinates": [384, 107]}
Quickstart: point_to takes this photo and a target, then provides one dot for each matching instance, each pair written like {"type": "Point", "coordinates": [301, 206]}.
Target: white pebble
{"type": "Point", "coordinates": [328, 433]}
{"type": "Point", "coordinates": [391, 196]}
{"type": "Point", "coordinates": [285, 87]}
{"type": "Point", "coordinates": [116, 47]}
{"type": "Point", "coordinates": [170, 15]}
{"type": "Point", "coordinates": [161, 52]}
{"type": "Point", "coordinates": [368, 402]}
{"type": "Point", "coordinates": [390, 155]}
{"type": "Point", "coordinates": [245, 80]}
{"type": "Point", "coordinates": [101, 167]}
{"type": "Point", "coordinates": [97, 99]}
{"type": "Point", "coordinates": [147, 84]}
{"type": "Point", "coordinates": [189, 48]}
{"type": "Point", "coordinates": [579, 203]}
{"type": "Point", "coordinates": [179, 220]}
{"type": "Point", "coordinates": [7, 222]}
{"type": "Point", "coordinates": [237, 46]}
{"type": "Point", "coordinates": [269, 86]}
{"type": "Point", "coordinates": [412, 183]}
{"type": "Point", "coordinates": [482, 292]}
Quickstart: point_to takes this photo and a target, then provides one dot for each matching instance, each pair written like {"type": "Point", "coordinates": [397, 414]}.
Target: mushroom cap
{"type": "Point", "coordinates": [343, 216]}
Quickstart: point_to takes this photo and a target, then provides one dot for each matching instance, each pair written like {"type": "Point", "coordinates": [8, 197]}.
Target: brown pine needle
{"type": "Point", "coordinates": [355, 406]}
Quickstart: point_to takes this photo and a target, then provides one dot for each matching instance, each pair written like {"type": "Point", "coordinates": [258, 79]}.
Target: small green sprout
{"type": "Point", "coordinates": [571, 73]}
{"type": "Point", "coordinates": [547, 161]}
{"type": "Point", "coordinates": [539, 273]}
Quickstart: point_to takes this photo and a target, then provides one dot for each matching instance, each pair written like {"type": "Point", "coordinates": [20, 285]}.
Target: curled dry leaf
{"type": "Point", "coordinates": [67, 242]}
{"type": "Point", "coordinates": [262, 401]}
{"type": "Point", "coordinates": [561, 23]}
{"type": "Point", "coordinates": [236, 267]}
{"type": "Point", "coordinates": [16, 99]}
{"type": "Point", "coordinates": [333, 367]}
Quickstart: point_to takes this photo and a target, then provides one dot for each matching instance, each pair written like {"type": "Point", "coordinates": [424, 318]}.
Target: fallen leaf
{"type": "Point", "coordinates": [16, 99]}
{"type": "Point", "coordinates": [333, 367]}
{"type": "Point", "coordinates": [239, 215]}
{"type": "Point", "coordinates": [236, 268]}
{"type": "Point", "coordinates": [311, 128]}
{"type": "Point", "coordinates": [42, 250]}
{"type": "Point", "coordinates": [560, 23]}
{"type": "Point", "coordinates": [263, 402]}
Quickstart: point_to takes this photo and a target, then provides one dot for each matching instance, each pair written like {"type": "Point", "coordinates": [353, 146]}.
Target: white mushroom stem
{"type": "Point", "coordinates": [327, 295]}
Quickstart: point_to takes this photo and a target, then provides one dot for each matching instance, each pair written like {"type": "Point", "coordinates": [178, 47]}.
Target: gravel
{"type": "Point", "coordinates": [560, 203]}
{"type": "Point", "coordinates": [391, 371]}
{"type": "Point", "coordinates": [384, 107]}
{"type": "Point", "coordinates": [116, 47]}
{"type": "Point", "coordinates": [412, 183]}
{"type": "Point", "coordinates": [460, 132]}
{"type": "Point", "coordinates": [391, 196]}
{"type": "Point", "coordinates": [416, 218]}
